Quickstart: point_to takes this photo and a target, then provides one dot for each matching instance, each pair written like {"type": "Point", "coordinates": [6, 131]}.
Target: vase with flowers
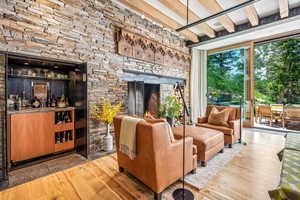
{"type": "Point", "coordinates": [105, 112]}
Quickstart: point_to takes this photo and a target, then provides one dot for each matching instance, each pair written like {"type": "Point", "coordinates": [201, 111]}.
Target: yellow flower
{"type": "Point", "coordinates": [105, 112]}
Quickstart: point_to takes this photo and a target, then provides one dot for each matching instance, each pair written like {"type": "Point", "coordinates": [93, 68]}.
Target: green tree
{"type": "Point", "coordinates": [225, 72]}
{"type": "Point", "coordinates": [278, 71]}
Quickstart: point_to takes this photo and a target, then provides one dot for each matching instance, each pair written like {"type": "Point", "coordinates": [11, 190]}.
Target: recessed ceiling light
{"type": "Point", "coordinates": [26, 63]}
{"type": "Point", "coordinates": [55, 67]}
{"type": "Point", "coordinates": [143, 17]}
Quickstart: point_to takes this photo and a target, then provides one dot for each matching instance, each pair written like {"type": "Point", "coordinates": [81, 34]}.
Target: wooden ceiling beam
{"type": "Point", "coordinates": [284, 8]}
{"type": "Point", "coordinates": [251, 14]}
{"type": "Point", "coordinates": [157, 16]}
{"type": "Point", "coordinates": [180, 9]}
{"type": "Point", "coordinates": [214, 7]}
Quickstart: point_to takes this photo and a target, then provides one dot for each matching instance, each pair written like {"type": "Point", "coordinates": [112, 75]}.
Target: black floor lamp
{"type": "Point", "coordinates": [182, 193]}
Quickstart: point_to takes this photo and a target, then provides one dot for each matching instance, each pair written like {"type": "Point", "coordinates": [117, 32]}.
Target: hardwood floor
{"type": "Point", "coordinates": [248, 176]}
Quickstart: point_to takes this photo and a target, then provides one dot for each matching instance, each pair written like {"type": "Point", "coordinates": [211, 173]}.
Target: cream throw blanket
{"type": "Point", "coordinates": [128, 136]}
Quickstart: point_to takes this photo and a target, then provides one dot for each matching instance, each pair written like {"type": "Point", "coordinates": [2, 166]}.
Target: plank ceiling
{"type": "Point", "coordinates": [172, 13]}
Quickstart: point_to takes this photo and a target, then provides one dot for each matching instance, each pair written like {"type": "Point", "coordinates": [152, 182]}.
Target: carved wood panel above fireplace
{"type": "Point", "coordinates": [138, 47]}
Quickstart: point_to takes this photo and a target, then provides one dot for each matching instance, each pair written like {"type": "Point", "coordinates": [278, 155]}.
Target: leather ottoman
{"type": "Point", "coordinates": [209, 142]}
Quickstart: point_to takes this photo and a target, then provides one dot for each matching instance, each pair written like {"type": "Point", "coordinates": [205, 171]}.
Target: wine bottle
{"type": "Point", "coordinates": [70, 135]}
{"type": "Point", "coordinates": [67, 136]}
{"type": "Point", "coordinates": [63, 116]}
{"type": "Point", "coordinates": [59, 118]}
{"type": "Point", "coordinates": [70, 118]}
{"type": "Point", "coordinates": [64, 136]}
{"type": "Point", "coordinates": [67, 102]}
{"type": "Point", "coordinates": [61, 137]}
{"type": "Point", "coordinates": [57, 139]}
{"type": "Point", "coordinates": [67, 117]}
{"type": "Point", "coordinates": [56, 118]}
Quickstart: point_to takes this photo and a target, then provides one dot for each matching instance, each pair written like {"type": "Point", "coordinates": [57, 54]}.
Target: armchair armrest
{"type": "Point", "coordinates": [176, 150]}
{"type": "Point", "coordinates": [178, 144]}
{"type": "Point", "coordinates": [169, 163]}
{"type": "Point", "coordinates": [195, 150]}
{"type": "Point", "coordinates": [202, 120]}
{"type": "Point", "coordinates": [235, 125]}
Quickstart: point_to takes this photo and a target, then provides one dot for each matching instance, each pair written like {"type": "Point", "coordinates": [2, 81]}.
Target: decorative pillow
{"type": "Point", "coordinates": [219, 117]}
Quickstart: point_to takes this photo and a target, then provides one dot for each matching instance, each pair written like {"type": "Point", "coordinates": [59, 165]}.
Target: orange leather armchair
{"type": "Point", "coordinates": [159, 160]}
{"type": "Point", "coordinates": [232, 133]}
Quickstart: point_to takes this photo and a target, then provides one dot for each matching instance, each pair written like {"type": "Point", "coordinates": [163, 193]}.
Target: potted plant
{"type": "Point", "coordinates": [105, 113]}
{"type": "Point", "coordinates": [171, 109]}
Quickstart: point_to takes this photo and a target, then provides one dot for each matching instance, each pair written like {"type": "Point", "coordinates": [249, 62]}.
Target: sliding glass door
{"type": "Point", "coordinates": [229, 80]}
{"type": "Point", "coordinates": [277, 84]}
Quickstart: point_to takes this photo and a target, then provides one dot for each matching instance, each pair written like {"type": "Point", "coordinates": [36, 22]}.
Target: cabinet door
{"type": "Point", "coordinates": [31, 135]}
{"type": "Point", "coordinates": [3, 122]}
{"type": "Point", "coordinates": [78, 96]}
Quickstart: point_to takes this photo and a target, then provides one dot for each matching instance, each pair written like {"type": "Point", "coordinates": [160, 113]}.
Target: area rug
{"type": "Point", "coordinates": [215, 165]}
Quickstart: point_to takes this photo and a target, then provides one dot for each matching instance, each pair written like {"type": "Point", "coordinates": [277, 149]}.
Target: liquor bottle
{"type": "Point", "coordinates": [18, 103]}
{"type": "Point", "coordinates": [36, 103]}
{"type": "Point", "coordinates": [53, 101]}
{"type": "Point", "coordinates": [49, 101]}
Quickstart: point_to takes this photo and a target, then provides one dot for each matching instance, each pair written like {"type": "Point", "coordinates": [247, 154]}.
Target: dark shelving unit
{"type": "Point", "coordinates": [38, 78]}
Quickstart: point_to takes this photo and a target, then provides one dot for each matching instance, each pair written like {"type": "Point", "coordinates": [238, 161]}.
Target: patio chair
{"type": "Point", "coordinates": [291, 114]}
{"type": "Point", "coordinates": [277, 107]}
{"type": "Point", "coordinates": [277, 112]}
{"type": "Point", "coordinates": [265, 112]}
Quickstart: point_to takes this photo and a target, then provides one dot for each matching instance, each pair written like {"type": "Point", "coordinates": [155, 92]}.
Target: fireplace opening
{"type": "Point", "coordinates": [143, 99]}
{"type": "Point", "coordinates": [151, 100]}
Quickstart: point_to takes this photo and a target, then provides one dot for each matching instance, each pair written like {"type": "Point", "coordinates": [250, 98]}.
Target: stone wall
{"type": "Point", "coordinates": [84, 31]}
